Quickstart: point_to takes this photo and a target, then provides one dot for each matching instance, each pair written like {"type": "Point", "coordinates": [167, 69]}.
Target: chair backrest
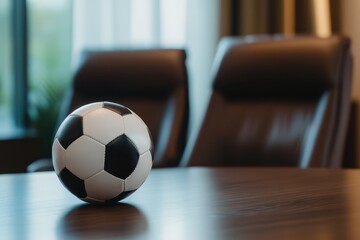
{"type": "Point", "coordinates": [276, 101]}
{"type": "Point", "coordinates": [152, 83]}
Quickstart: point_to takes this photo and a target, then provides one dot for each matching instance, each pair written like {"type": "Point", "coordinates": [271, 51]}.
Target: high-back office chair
{"type": "Point", "coordinates": [276, 101]}
{"type": "Point", "coordinates": [152, 83]}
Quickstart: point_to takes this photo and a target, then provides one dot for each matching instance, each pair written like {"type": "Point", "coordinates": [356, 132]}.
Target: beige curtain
{"type": "Point", "coordinates": [243, 17]}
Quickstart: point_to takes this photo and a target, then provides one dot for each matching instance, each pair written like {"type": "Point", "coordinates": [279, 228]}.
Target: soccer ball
{"type": "Point", "coordinates": [102, 152]}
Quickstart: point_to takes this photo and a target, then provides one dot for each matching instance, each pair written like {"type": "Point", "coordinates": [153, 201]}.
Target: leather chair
{"type": "Point", "coordinates": [276, 101]}
{"type": "Point", "coordinates": [152, 83]}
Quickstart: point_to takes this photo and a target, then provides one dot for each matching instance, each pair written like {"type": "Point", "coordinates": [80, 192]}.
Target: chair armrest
{"type": "Point", "coordinates": [41, 165]}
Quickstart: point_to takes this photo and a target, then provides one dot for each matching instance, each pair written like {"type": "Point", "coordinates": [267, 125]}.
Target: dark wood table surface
{"type": "Point", "coordinates": [190, 203]}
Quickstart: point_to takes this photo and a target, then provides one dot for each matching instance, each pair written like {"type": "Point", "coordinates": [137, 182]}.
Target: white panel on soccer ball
{"type": "Point", "coordinates": [138, 133]}
{"type": "Point", "coordinates": [103, 125]}
{"type": "Point", "coordinates": [58, 156]}
{"type": "Point", "coordinates": [82, 111]}
{"type": "Point", "coordinates": [139, 175]}
{"type": "Point", "coordinates": [134, 113]}
{"type": "Point", "coordinates": [85, 157]}
{"type": "Point", "coordinates": [103, 186]}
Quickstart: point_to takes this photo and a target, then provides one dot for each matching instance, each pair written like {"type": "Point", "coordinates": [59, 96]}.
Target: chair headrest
{"type": "Point", "coordinates": [129, 73]}
{"type": "Point", "coordinates": [286, 67]}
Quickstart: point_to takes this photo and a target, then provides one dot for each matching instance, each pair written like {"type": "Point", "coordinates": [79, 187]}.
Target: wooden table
{"type": "Point", "coordinates": [193, 203]}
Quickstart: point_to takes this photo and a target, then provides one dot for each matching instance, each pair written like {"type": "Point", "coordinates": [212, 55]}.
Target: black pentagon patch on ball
{"type": "Point", "coordinates": [120, 109]}
{"type": "Point", "coordinates": [119, 197]}
{"type": "Point", "coordinates": [70, 130]}
{"type": "Point", "coordinates": [74, 184]}
{"type": "Point", "coordinates": [121, 157]}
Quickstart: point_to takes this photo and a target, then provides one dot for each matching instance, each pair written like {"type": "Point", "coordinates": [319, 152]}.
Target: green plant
{"type": "Point", "coordinates": [46, 101]}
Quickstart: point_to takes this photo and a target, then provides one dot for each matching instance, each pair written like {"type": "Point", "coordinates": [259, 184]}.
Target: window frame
{"type": "Point", "coordinates": [19, 36]}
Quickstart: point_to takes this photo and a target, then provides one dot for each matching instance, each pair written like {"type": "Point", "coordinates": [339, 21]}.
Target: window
{"type": "Point", "coordinates": [49, 60]}
{"type": "Point", "coordinates": [6, 88]}
{"type": "Point", "coordinates": [53, 34]}
{"type": "Point", "coordinates": [47, 69]}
